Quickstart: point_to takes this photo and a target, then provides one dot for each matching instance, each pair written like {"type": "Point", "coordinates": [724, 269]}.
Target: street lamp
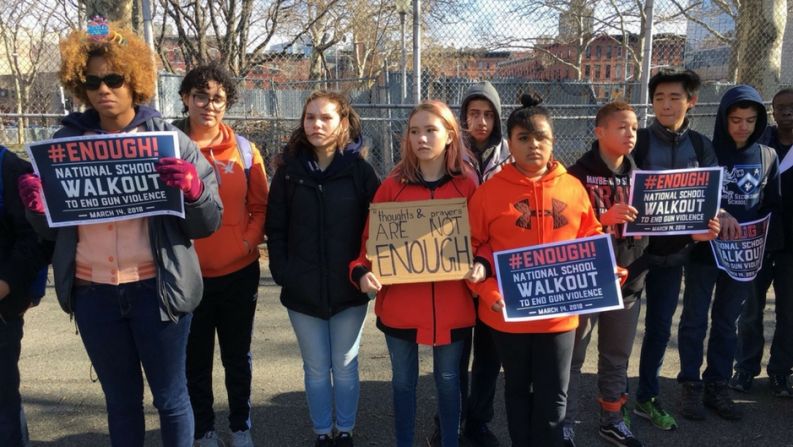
{"type": "Point", "coordinates": [402, 7]}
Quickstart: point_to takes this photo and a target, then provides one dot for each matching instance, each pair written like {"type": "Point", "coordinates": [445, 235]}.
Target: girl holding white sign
{"type": "Point", "coordinates": [438, 314]}
{"type": "Point", "coordinates": [531, 201]}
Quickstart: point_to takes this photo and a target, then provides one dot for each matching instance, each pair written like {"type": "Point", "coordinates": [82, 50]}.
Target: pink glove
{"type": "Point", "coordinates": [181, 174]}
{"type": "Point", "coordinates": [30, 192]}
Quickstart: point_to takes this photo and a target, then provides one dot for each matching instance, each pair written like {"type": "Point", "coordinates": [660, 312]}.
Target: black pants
{"type": "Point", "coordinates": [10, 400]}
{"type": "Point", "coordinates": [540, 362]}
{"type": "Point", "coordinates": [478, 405]}
{"type": "Point", "coordinates": [228, 307]}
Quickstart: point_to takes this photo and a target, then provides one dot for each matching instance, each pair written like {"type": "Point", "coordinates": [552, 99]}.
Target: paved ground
{"type": "Point", "coordinates": [65, 405]}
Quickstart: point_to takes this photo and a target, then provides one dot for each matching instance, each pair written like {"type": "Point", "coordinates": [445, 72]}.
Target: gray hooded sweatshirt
{"type": "Point", "coordinates": [495, 153]}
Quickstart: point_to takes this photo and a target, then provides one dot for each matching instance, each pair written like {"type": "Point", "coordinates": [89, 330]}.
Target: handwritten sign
{"type": "Point", "coordinates": [679, 201]}
{"type": "Point", "coordinates": [419, 241]}
{"type": "Point", "coordinates": [558, 279]}
{"type": "Point", "coordinates": [742, 258]}
{"type": "Point", "coordinates": [104, 178]}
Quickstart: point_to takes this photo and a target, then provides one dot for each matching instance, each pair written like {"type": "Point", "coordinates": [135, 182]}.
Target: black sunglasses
{"type": "Point", "coordinates": [111, 80]}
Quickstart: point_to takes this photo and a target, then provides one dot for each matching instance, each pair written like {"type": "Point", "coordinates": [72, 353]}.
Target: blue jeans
{"type": "Point", "coordinates": [727, 302]}
{"type": "Point", "coordinates": [405, 374]}
{"type": "Point", "coordinates": [330, 348]}
{"type": "Point", "coordinates": [777, 267]}
{"type": "Point", "coordinates": [662, 290]}
{"type": "Point", "coordinates": [121, 328]}
{"type": "Point", "coordinates": [10, 400]}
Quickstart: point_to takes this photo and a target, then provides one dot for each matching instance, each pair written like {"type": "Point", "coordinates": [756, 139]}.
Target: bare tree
{"type": "Point", "coordinates": [29, 33]}
{"type": "Point", "coordinates": [235, 32]}
{"type": "Point", "coordinates": [112, 10]}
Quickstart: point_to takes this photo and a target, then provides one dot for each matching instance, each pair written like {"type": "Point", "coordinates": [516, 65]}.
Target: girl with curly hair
{"type": "Point", "coordinates": [130, 285]}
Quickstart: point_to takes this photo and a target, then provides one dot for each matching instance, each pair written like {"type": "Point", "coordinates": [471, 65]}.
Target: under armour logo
{"type": "Point", "coordinates": [524, 221]}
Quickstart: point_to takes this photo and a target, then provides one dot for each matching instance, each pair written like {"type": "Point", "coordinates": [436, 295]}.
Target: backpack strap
{"type": "Point", "coordinates": [246, 154]}
{"type": "Point", "coordinates": [698, 141]}
{"type": "Point", "coordinates": [639, 152]}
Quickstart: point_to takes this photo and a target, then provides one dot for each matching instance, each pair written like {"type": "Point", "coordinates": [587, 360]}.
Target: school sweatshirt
{"type": "Point", "coordinates": [244, 208]}
{"type": "Point", "coordinates": [429, 313]}
{"type": "Point", "coordinates": [750, 185]}
{"type": "Point", "coordinates": [510, 211]}
{"type": "Point", "coordinates": [607, 187]}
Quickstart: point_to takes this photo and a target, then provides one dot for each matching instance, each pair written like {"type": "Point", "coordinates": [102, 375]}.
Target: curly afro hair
{"type": "Point", "coordinates": [125, 52]}
{"type": "Point", "coordinates": [199, 77]}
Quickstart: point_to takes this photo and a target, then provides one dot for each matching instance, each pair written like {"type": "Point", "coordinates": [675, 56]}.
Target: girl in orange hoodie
{"type": "Point", "coordinates": [438, 314]}
{"type": "Point", "coordinates": [531, 201]}
{"type": "Point", "coordinates": [229, 258]}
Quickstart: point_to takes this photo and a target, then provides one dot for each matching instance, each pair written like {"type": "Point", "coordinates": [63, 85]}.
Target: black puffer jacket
{"type": "Point", "coordinates": [314, 224]}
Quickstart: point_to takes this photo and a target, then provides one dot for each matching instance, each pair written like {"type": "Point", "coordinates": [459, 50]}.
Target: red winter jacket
{"type": "Point", "coordinates": [429, 313]}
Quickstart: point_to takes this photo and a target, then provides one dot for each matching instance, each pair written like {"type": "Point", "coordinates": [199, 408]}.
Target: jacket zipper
{"type": "Point", "coordinates": [158, 280]}
{"type": "Point", "coordinates": [323, 269]}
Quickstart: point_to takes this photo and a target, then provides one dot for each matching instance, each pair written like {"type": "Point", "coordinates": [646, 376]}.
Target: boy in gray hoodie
{"type": "Point", "coordinates": [480, 117]}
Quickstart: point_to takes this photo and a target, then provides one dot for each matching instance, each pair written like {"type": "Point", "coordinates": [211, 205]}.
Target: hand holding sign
{"type": "Point", "coordinates": [476, 274]}
{"type": "Point", "coordinates": [369, 283]}
{"type": "Point", "coordinates": [714, 228]}
{"type": "Point", "coordinates": [30, 192]}
{"type": "Point", "coordinates": [181, 174]}
{"type": "Point", "coordinates": [620, 213]}
{"type": "Point", "coordinates": [730, 228]}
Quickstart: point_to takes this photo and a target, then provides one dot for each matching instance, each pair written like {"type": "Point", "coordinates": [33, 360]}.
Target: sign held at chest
{"type": "Point", "coordinates": [419, 241]}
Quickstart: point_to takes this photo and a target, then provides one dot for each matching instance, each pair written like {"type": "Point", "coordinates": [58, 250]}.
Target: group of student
{"type": "Point", "coordinates": [152, 292]}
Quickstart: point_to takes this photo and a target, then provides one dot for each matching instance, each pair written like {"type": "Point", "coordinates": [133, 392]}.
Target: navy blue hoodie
{"type": "Point", "coordinates": [750, 186]}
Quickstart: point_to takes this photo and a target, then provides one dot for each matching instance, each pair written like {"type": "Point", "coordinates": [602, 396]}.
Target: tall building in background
{"type": "Point", "coordinates": [710, 56]}
{"type": "Point", "coordinates": [576, 21]}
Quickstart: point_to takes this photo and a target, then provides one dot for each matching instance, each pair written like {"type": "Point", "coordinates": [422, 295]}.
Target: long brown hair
{"type": "Point", "coordinates": [454, 155]}
{"type": "Point", "coordinates": [349, 124]}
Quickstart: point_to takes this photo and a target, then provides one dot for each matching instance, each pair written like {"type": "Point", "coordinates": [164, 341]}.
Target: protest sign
{"type": "Point", "coordinates": [104, 178]}
{"type": "Point", "coordinates": [419, 241]}
{"type": "Point", "coordinates": [679, 201]}
{"type": "Point", "coordinates": [742, 258]}
{"type": "Point", "coordinates": [558, 279]}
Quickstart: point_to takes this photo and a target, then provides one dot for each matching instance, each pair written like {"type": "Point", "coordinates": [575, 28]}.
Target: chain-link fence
{"type": "Point", "coordinates": [577, 54]}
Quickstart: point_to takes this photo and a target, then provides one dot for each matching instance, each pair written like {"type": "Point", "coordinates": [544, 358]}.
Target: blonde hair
{"type": "Point", "coordinates": [455, 154]}
{"type": "Point", "coordinates": [126, 54]}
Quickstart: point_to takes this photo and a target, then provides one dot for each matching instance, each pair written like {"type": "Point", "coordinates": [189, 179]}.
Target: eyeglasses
{"type": "Point", "coordinates": [202, 100]}
{"type": "Point", "coordinates": [111, 80]}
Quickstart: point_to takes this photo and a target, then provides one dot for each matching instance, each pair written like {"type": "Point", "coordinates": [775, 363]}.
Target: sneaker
{"type": "Point", "coordinates": [780, 385]}
{"type": "Point", "coordinates": [717, 397]}
{"type": "Point", "coordinates": [691, 406]}
{"type": "Point", "coordinates": [343, 439]}
{"type": "Point", "coordinates": [619, 434]}
{"type": "Point", "coordinates": [241, 438]}
{"type": "Point", "coordinates": [569, 435]}
{"type": "Point", "coordinates": [479, 435]}
{"type": "Point", "coordinates": [741, 381]}
{"type": "Point", "coordinates": [323, 441]}
{"type": "Point", "coordinates": [655, 413]}
{"type": "Point", "coordinates": [210, 439]}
